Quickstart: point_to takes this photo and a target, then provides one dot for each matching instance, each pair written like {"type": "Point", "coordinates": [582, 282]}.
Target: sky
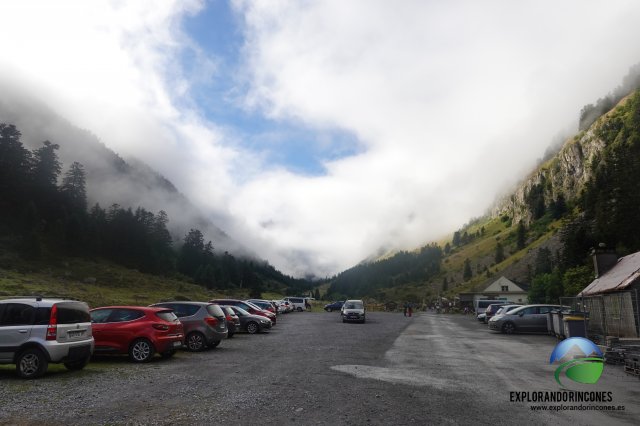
{"type": "Point", "coordinates": [322, 133]}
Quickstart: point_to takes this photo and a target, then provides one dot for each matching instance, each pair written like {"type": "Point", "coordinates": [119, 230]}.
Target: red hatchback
{"type": "Point", "coordinates": [137, 331]}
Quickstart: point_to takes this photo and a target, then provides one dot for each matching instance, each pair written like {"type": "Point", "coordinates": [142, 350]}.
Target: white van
{"type": "Point", "coordinates": [297, 302]}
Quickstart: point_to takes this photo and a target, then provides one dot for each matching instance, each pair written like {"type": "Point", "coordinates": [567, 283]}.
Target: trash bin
{"type": "Point", "coordinates": [575, 325]}
{"type": "Point", "coordinates": [558, 326]}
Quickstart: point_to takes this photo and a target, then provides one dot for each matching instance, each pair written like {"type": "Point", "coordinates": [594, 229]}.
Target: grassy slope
{"type": "Point", "coordinates": [481, 252]}
{"type": "Point", "coordinates": [99, 283]}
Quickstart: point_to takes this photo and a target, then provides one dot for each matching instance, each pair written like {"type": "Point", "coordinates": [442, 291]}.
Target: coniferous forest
{"type": "Point", "coordinates": [44, 215]}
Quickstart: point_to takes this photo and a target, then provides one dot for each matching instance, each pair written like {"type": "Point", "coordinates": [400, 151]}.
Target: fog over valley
{"type": "Point", "coordinates": [312, 135]}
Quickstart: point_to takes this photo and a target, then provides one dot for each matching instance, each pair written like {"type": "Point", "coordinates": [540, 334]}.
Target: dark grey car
{"type": "Point", "coordinates": [233, 322]}
{"type": "Point", "coordinates": [251, 323]}
{"type": "Point", "coordinates": [205, 325]}
{"type": "Point", "coordinates": [528, 318]}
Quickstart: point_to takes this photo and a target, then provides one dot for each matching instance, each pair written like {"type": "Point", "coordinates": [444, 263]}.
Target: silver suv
{"type": "Point", "coordinates": [35, 331]}
{"type": "Point", "coordinates": [353, 310]}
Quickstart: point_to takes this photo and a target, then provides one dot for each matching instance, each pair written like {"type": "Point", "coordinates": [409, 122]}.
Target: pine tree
{"type": "Point", "coordinates": [74, 187]}
{"type": "Point", "coordinates": [467, 273]}
{"type": "Point", "coordinates": [521, 237]}
{"type": "Point", "coordinates": [15, 164]}
{"type": "Point", "coordinates": [499, 256]}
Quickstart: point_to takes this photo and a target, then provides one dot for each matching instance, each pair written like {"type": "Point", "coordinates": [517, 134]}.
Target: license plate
{"type": "Point", "coordinates": [75, 333]}
{"type": "Point", "coordinates": [177, 344]}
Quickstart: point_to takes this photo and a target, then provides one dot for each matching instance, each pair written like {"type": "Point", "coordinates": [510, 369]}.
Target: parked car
{"type": "Point", "coordinates": [333, 306]}
{"type": "Point", "coordinates": [251, 323]}
{"type": "Point", "coordinates": [205, 324]}
{"type": "Point", "coordinates": [297, 302]}
{"type": "Point", "coordinates": [288, 306]}
{"type": "Point", "coordinates": [247, 306]}
{"type": "Point", "coordinates": [479, 306]}
{"type": "Point", "coordinates": [528, 318]}
{"type": "Point", "coordinates": [506, 308]}
{"type": "Point", "coordinates": [283, 306]}
{"type": "Point", "coordinates": [491, 311]}
{"type": "Point", "coordinates": [36, 331]}
{"type": "Point", "coordinates": [353, 310]}
{"type": "Point", "coordinates": [233, 322]}
{"type": "Point", "coordinates": [264, 304]}
{"type": "Point", "coordinates": [138, 331]}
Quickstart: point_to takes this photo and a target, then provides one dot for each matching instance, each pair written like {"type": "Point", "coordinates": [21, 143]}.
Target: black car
{"type": "Point", "coordinates": [233, 322]}
{"type": "Point", "coordinates": [333, 306]}
{"type": "Point", "coordinates": [491, 311]}
{"type": "Point", "coordinates": [251, 323]}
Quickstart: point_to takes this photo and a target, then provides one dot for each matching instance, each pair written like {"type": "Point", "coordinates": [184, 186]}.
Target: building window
{"type": "Point", "coordinates": [505, 288]}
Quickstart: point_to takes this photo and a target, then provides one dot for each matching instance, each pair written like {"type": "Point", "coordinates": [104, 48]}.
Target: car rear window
{"type": "Point", "coordinates": [73, 313]}
{"type": "Point", "coordinates": [292, 300]}
{"type": "Point", "coordinates": [167, 316]}
{"type": "Point", "coordinates": [215, 311]}
{"type": "Point", "coordinates": [181, 309]}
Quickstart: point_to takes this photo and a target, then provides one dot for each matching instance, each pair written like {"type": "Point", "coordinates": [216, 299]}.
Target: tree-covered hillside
{"type": "Point", "coordinates": [541, 235]}
{"type": "Point", "coordinates": [44, 216]}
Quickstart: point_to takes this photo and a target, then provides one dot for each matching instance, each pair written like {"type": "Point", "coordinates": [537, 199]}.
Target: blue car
{"type": "Point", "coordinates": [334, 306]}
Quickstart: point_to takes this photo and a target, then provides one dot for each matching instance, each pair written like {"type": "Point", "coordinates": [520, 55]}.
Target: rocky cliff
{"type": "Point", "coordinates": [562, 177]}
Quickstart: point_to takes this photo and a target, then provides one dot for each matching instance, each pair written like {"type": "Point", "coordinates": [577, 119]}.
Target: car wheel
{"type": "Point", "coordinates": [168, 354]}
{"type": "Point", "coordinates": [195, 341]}
{"type": "Point", "coordinates": [299, 309]}
{"type": "Point", "coordinates": [230, 335]}
{"type": "Point", "coordinates": [343, 320]}
{"type": "Point", "coordinates": [252, 327]}
{"type": "Point", "coordinates": [214, 344]}
{"type": "Point", "coordinates": [363, 320]}
{"type": "Point", "coordinates": [77, 365]}
{"type": "Point", "coordinates": [508, 328]}
{"type": "Point", "coordinates": [31, 364]}
{"type": "Point", "coordinates": [141, 350]}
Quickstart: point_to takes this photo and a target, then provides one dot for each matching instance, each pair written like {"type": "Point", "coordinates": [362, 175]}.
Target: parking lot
{"type": "Point", "coordinates": [313, 369]}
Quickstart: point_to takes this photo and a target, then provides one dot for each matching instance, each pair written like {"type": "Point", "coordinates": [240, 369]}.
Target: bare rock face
{"type": "Point", "coordinates": [565, 174]}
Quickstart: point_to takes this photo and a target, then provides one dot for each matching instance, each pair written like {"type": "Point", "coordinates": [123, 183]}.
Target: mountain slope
{"type": "Point", "coordinates": [539, 236]}
{"type": "Point", "coordinates": [110, 178]}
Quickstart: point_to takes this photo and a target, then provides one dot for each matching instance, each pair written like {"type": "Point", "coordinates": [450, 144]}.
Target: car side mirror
{"type": "Point", "coordinates": [521, 313]}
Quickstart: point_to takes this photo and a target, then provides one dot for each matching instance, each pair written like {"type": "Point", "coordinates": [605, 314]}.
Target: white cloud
{"type": "Point", "coordinates": [449, 101]}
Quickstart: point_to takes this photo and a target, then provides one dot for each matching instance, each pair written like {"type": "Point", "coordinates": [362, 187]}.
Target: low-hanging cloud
{"type": "Point", "coordinates": [449, 102]}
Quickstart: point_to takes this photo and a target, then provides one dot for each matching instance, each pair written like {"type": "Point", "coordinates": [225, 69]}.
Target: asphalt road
{"type": "Point", "coordinates": [313, 369]}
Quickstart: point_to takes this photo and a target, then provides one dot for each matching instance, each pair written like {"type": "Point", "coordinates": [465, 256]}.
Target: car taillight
{"type": "Point", "coordinates": [162, 327]}
{"type": "Point", "coordinates": [211, 321]}
{"type": "Point", "coordinates": [52, 328]}
{"type": "Point", "coordinates": [228, 317]}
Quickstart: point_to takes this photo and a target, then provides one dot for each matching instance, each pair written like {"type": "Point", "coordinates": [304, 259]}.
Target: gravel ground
{"type": "Point", "coordinates": [283, 376]}
{"type": "Point", "coordinates": [313, 369]}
